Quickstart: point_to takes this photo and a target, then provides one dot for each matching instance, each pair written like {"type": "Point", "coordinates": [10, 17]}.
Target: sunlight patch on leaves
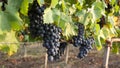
{"type": "Point", "coordinates": [69, 30]}
{"type": "Point", "coordinates": [48, 18]}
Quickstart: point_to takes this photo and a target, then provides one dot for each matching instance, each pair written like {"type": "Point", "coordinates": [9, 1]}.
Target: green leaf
{"type": "Point", "coordinates": [9, 48]}
{"type": "Point", "coordinates": [86, 19]}
{"type": "Point", "coordinates": [97, 10]}
{"type": "Point", "coordinates": [13, 5]}
{"type": "Point", "coordinates": [110, 21]}
{"type": "Point", "coordinates": [71, 1]}
{"type": "Point", "coordinates": [69, 30]}
{"type": "Point", "coordinates": [56, 16]}
{"type": "Point", "coordinates": [54, 3]}
{"type": "Point", "coordinates": [4, 48]}
{"type": "Point", "coordinates": [48, 18]}
{"type": "Point", "coordinates": [10, 21]}
{"type": "Point", "coordinates": [115, 48]}
{"type": "Point", "coordinates": [40, 2]}
{"type": "Point", "coordinates": [97, 28]}
{"type": "Point", "coordinates": [4, 25]}
{"type": "Point", "coordinates": [81, 2]}
{"type": "Point", "coordinates": [63, 6]}
{"type": "Point", "coordinates": [113, 2]}
{"type": "Point", "coordinates": [2, 37]}
{"type": "Point", "coordinates": [117, 8]}
{"type": "Point", "coordinates": [81, 15]}
{"type": "Point", "coordinates": [24, 7]}
{"type": "Point", "coordinates": [98, 43]}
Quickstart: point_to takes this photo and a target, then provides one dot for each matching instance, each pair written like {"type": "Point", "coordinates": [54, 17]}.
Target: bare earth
{"type": "Point", "coordinates": [35, 58]}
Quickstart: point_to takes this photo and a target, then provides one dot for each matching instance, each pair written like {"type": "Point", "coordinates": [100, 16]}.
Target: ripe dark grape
{"type": "Point", "coordinates": [35, 14]}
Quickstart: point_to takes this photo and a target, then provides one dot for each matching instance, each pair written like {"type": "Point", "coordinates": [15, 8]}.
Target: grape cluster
{"type": "Point", "coordinates": [85, 47]}
{"type": "Point", "coordinates": [35, 14]}
{"type": "Point", "coordinates": [51, 40]}
{"type": "Point", "coordinates": [84, 44]}
{"type": "Point", "coordinates": [50, 33]}
{"type": "Point", "coordinates": [77, 40]}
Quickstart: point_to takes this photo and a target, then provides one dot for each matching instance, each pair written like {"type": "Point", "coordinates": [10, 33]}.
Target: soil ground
{"type": "Point", "coordinates": [34, 57]}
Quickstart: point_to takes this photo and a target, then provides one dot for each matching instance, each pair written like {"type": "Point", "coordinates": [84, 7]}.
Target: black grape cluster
{"type": "Point", "coordinates": [51, 40]}
{"type": "Point", "coordinates": [35, 14]}
{"type": "Point", "coordinates": [85, 47]}
{"type": "Point", "coordinates": [84, 44]}
{"type": "Point", "coordinates": [77, 40]}
{"type": "Point", "coordinates": [50, 33]}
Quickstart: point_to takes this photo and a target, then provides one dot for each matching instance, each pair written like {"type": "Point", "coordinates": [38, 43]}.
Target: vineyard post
{"type": "Point", "coordinates": [67, 56]}
{"type": "Point", "coordinates": [107, 50]}
{"type": "Point", "coordinates": [46, 60]}
{"type": "Point", "coordinates": [25, 49]}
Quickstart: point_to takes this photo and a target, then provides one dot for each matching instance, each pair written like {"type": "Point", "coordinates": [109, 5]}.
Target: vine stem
{"type": "Point", "coordinates": [107, 50]}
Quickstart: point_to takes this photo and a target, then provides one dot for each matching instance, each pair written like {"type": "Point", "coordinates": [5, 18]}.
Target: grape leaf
{"type": "Point", "coordinates": [40, 2]}
{"type": "Point", "coordinates": [115, 48]}
{"type": "Point", "coordinates": [69, 30]}
{"type": "Point", "coordinates": [54, 3]}
{"type": "Point", "coordinates": [24, 7]}
{"type": "Point", "coordinates": [10, 21]}
{"type": "Point", "coordinates": [97, 28]}
{"type": "Point", "coordinates": [97, 10]}
{"type": "Point", "coordinates": [71, 1]}
{"type": "Point", "coordinates": [81, 2]}
{"type": "Point", "coordinates": [98, 43]}
{"type": "Point", "coordinates": [9, 48]}
{"type": "Point", "coordinates": [13, 5]}
{"type": "Point", "coordinates": [48, 18]}
{"type": "Point", "coordinates": [82, 14]}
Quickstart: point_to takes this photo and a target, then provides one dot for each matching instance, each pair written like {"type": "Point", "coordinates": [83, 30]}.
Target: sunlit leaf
{"type": "Point", "coordinates": [40, 2]}
{"type": "Point", "coordinates": [98, 43]}
{"type": "Point", "coordinates": [48, 18]}
{"type": "Point", "coordinates": [9, 48]}
{"type": "Point", "coordinates": [24, 7]}
{"type": "Point", "coordinates": [97, 28]}
{"type": "Point", "coordinates": [69, 30]}
{"type": "Point", "coordinates": [54, 3]}
{"type": "Point", "coordinates": [115, 48]}
{"type": "Point", "coordinates": [97, 10]}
